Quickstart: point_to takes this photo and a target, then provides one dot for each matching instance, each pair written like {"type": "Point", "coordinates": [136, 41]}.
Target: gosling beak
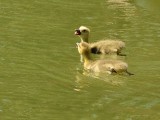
{"type": "Point", "coordinates": [77, 44]}
{"type": "Point", "coordinates": [77, 32]}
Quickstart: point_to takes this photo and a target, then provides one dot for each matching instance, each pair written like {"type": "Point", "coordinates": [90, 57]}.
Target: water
{"type": "Point", "coordinates": [40, 73]}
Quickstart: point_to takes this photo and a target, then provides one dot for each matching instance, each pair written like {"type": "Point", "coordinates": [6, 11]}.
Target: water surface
{"type": "Point", "coordinates": [41, 76]}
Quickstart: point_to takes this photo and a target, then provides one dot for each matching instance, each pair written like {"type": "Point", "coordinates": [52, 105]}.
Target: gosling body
{"type": "Point", "coordinates": [109, 66]}
{"type": "Point", "coordinates": [100, 47]}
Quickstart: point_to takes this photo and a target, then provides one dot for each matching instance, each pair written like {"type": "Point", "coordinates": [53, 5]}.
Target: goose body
{"type": "Point", "coordinates": [109, 66]}
{"type": "Point", "coordinates": [100, 47]}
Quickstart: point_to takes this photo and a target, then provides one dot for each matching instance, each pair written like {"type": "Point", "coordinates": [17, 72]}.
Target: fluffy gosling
{"type": "Point", "coordinates": [100, 47]}
{"type": "Point", "coordinates": [108, 66]}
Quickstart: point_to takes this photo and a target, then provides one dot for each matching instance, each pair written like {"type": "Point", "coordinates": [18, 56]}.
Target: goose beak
{"type": "Point", "coordinates": [77, 32]}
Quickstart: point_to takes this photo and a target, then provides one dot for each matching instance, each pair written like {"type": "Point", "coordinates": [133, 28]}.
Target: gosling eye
{"type": "Point", "coordinates": [83, 30]}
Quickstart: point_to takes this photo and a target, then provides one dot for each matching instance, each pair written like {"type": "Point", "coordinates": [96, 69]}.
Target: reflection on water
{"type": "Point", "coordinates": [151, 5]}
{"type": "Point", "coordinates": [83, 78]}
{"type": "Point", "coordinates": [126, 9]}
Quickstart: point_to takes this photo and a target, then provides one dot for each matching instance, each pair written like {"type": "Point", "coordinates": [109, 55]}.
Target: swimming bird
{"type": "Point", "coordinates": [100, 47]}
{"type": "Point", "coordinates": [108, 66]}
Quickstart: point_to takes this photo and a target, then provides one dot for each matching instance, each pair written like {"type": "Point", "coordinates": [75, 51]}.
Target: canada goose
{"type": "Point", "coordinates": [100, 47]}
{"type": "Point", "coordinates": [109, 66]}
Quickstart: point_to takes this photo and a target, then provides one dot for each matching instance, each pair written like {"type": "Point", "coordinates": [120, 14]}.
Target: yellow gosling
{"type": "Point", "coordinates": [108, 66]}
{"type": "Point", "coordinates": [100, 47]}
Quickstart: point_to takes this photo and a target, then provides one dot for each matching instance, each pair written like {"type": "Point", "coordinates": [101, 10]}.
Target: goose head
{"type": "Point", "coordinates": [83, 48]}
{"type": "Point", "coordinates": [83, 33]}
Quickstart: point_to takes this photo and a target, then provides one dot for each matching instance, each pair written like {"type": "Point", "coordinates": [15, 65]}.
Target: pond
{"type": "Point", "coordinates": [41, 77]}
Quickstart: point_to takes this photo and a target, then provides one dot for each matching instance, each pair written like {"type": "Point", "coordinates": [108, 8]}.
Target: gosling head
{"type": "Point", "coordinates": [83, 33]}
{"type": "Point", "coordinates": [83, 48]}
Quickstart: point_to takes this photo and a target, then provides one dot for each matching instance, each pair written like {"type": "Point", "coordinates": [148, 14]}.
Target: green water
{"type": "Point", "coordinates": [41, 77]}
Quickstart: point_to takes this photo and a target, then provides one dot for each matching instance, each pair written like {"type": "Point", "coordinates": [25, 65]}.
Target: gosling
{"type": "Point", "coordinates": [107, 66]}
{"type": "Point", "coordinates": [103, 46]}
